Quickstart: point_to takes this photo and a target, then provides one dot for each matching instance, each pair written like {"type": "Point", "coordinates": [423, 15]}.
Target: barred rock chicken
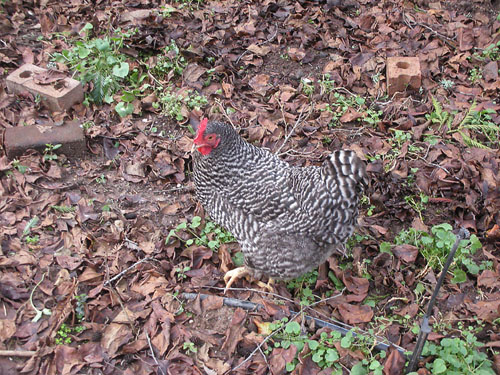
{"type": "Point", "coordinates": [287, 220]}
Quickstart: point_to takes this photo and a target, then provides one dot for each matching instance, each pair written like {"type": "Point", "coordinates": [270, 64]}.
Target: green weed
{"type": "Point", "coordinates": [447, 84]}
{"type": "Point", "coordinates": [323, 351]}
{"type": "Point", "coordinates": [48, 152]}
{"type": "Point", "coordinates": [63, 209]}
{"type": "Point", "coordinates": [480, 123]}
{"type": "Point", "coordinates": [99, 63]}
{"type": "Point", "coordinates": [475, 75]}
{"type": "Point", "coordinates": [171, 104]}
{"type": "Point", "coordinates": [435, 247]}
{"type": "Point", "coordinates": [189, 347]}
{"type": "Point", "coordinates": [170, 61]}
{"type": "Point", "coordinates": [63, 335]}
{"type": "Point", "coordinates": [302, 287]}
{"type": "Point", "coordinates": [210, 235]}
{"type": "Point", "coordinates": [455, 356]}
{"type": "Point", "coordinates": [181, 272]}
{"type": "Point", "coordinates": [17, 165]}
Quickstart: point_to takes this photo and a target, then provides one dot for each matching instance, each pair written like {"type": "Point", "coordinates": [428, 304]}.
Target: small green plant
{"type": "Point", "coordinates": [174, 105]}
{"type": "Point", "coordinates": [326, 140]}
{"type": "Point", "coordinates": [21, 168]}
{"type": "Point", "coordinates": [189, 347]}
{"type": "Point", "coordinates": [447, 84]}
{"type": "Point", "coordinates": [169, 60]}
{"type": "Point", "coordinates": [101, 179]}
{"type": "Point", "coordinates": [29, 225]}
{"type": "Point", "coordinates": [100, 63]}
{"type": "Point", "coordinates": [64, 209]}
{"type": "Point", "coordinates": [492, 52]}
{"type": "Point", "coordinates": [475, 75]}
{"type": "Point", "coordinates": [459, 355]}
{"type": "Point", "coordinates": [302, 287]}
{"type": "Point", "coordinates": [323, 351]}
{"type": "Point", "coordinates": [439, 116]}
{"type": "Point", "coordinates": [32, 240]}
{"type": "Point", "coordinates": [435, 247]}
{"type": "Point", "coordinates": [80, 307]}
{"type": "Point", "coordinates": [480, 123]}
{"type": "Point", "coordinates": [63, 335]}
{"type": "Point", "coordinates": [48, 152]}
{"type": "Point", "coordinates": [326, 84]}
{"type": "Point", "coordinates": [181, 272]}
{"type": "Point", "coordinates": [87, 125]}
{"type": "Point", "coordinates": [210, 235]}
{"type": "Point", "coordinates": [370, 116]}
{"type": "Point", "coordinates": [418, 204]}
{"type": "Point", "coordinates": [307, 86]}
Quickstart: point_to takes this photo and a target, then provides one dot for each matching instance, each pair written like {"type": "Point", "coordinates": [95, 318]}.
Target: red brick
{"type": "Point", "coordinates": [402, 72]}
{"type": "Point", "coordinates": [58, 96]}
{"type": "Point", "coordinates": [70, 135]}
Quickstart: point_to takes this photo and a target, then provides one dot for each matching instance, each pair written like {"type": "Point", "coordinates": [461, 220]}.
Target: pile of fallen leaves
{"type": "Point", "coordinates": [88, 282]}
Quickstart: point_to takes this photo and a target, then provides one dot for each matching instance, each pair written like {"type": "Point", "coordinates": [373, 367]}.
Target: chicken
{"type": "Point", "coordinates": [287, 220]}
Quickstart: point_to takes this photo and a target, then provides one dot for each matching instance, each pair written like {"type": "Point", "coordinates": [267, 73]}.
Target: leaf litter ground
{"type": "Point", "coordinates": [285, 73]}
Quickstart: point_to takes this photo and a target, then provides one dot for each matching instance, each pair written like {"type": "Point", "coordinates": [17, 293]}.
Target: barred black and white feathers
{"type": "Point", "coordinates": [287, 219]}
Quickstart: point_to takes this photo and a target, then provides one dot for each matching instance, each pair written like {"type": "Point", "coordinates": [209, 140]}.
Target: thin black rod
{"type": "Point", "coordinates": [233, 302]}
{"type": "Point", "coordinates": [425, 328]}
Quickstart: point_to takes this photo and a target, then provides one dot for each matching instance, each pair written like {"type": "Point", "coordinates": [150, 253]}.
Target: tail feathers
{"type": "Point", "coordinates": [347, 168]}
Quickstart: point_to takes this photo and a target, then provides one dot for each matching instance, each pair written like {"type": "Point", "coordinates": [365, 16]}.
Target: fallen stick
{"type": "Point", "coordinates": [17, 353]}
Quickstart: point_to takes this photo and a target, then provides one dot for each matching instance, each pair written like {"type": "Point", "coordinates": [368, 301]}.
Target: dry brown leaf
{"type": "Point", "coordinates": [259, 83]}
{"type": "Point", "coordinates": [355, 314]}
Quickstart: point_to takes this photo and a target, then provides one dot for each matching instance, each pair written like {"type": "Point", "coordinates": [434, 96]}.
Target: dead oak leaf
{"type": "Point", "coordinates": [395, 362]}
{"type": "Point", "coordinates": [485, 310]}
{"type": "Point", "coordinates": [406, 253]}
{"type": "Point", "coordinates": [354, 314]}
{"type": "Point", "coordinates": [488, 279]}
{"type": "Point", "coordinates": [114, 336]}
{"type": "Point", "coordinates": [260, 83]}
{"type": "Point", "coordinates": [296, 54]}
{"type": "Point", "coordinates": [356, 285]}
{"type": "Point", "coordinates": [7, 329]}
{"type": "Point", "coordinates": [259, 50]}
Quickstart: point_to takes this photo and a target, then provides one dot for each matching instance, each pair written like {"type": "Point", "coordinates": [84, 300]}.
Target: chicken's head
{"type": "Point", "coordinates": [205, 141]}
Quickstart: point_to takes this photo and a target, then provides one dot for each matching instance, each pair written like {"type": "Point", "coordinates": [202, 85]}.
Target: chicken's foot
{"type": "Point", "coordinates": [231, 276]}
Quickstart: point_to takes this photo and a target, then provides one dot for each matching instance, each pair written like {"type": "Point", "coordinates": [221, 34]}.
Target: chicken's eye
{"type": "Point", "coordinates": [211, 137]}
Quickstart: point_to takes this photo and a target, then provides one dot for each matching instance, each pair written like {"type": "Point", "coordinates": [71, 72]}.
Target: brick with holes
{"type": "Point", "coordinates": [58, 94]}
{"type": "Point", "coordinates": [402, 72]}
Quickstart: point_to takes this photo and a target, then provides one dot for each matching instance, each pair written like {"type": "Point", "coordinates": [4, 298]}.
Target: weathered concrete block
{"type": "Point", "coordinates": [402, 72]}
{"type": "Point", "coordinates": [70, 135]}
{"type": "Point", "coordinates": [58, 95]}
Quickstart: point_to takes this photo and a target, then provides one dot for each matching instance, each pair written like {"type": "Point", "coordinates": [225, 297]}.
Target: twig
{"type": "Point", "coordinates": [126, 270]}
{"type": "Point", "coordinates": [299, 120]}
{"type": "Point", "coordinates": [17, 353]}
{"type": "Point", "coordinates": [153, 352]}
{"type": "Point", "coordinates": [410, 23]}
{"type": "Point", "coordinates": [224, 112]}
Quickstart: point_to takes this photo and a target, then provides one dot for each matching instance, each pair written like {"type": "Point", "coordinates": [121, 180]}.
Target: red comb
{"type": "Point", "coordinates": [201, 130]}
